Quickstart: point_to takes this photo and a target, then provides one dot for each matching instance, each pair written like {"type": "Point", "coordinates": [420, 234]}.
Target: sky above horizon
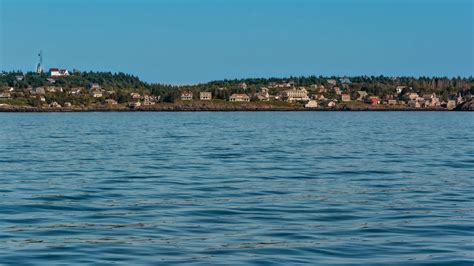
{"type": "Point", "coordinates": [191, 41]}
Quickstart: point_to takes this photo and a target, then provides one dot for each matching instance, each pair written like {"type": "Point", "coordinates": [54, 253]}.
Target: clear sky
{"type": "Point", "coordinates": [190, 41]}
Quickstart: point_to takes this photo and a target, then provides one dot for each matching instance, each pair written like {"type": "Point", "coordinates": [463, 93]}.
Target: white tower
{"type": "Point", "coordinates": [39, 67]}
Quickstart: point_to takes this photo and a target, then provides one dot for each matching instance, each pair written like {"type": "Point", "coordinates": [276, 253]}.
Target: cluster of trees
{"type": "Point", "coordinates": [123, 84]}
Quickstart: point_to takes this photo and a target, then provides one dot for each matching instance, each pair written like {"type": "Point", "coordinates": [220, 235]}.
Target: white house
{"type": "Point", "coordinates": [56, 72]}
{"type": "Point", "coordinates": [311, 104]}
{"type": "Point", "coordinates": [110, 102]}
{"type": "Point", "coordinates": [239, 97]}
{"type": "Point", "coordinates": [5, 95]}
{"type": "Point", "coordinates": [205, 96]}
{"type": "Point", "coordinates": [54, 105]}
{"type": "Point", "coordinates": [346, 97]}
{"type": "Point", "coordinates": [295, 95]}
{"type": "Point", "coordinates": [96, 93]}
{"type": "Point", "coordinates": [186, 96]}
{"type": "Point", "coordinates": [94, 86]}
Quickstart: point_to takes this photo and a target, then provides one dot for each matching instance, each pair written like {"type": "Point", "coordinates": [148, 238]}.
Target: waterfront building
{"type": "Point", "coordinates": [311, 104]}
{"type": "Point", "coordinates": [295, 95]}
{"type": "Point", "coordinates": [110, 102]}
{"type": "Point", "coordinates": [54, 105]}
{"type": "Point", "coordinates": [5, 95]}
{"type": "Point", "coordinates": [149, 100]}
{"type": "Point", "coordinates": [239, 97]}
{"type": "Point", "coordinates": [374, 100]}
{"type": "Point", "coordinates": [186, 96]}
{"type": "Point", "coordinates": [346, 97]}
{"type": "Point", "coordinates": [413, 95]}
{"type": "Point", "coordinates": [263, 95]}
{"type": "Point", "coordinates": [135, 104]}
{"type": "Point", "coordinates": [451, 104]}
{"type": "Point", "coordinates": [362, 95]}
{"type": "Point", "coordinates": [205, 96]}
{"type": "Point", "coordinates": [414, 104]}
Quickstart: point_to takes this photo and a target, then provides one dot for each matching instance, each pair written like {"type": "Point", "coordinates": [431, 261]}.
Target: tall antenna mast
{"type": "Point", "coordinates": [39, 67]}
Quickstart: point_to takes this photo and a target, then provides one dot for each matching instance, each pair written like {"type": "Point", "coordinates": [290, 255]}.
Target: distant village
{"type": "Point", "coordinates": [58, 88]}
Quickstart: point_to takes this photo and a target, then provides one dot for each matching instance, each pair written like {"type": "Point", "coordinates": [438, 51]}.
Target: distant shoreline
{"type": "Point", "coordinates": [28, 109]}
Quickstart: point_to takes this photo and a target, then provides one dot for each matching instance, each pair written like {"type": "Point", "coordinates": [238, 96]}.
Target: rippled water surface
{"type": "Point", "coordinates": [237, 188]}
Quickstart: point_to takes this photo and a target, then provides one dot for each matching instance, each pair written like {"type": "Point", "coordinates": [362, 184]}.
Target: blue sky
{"type": "Point", "coordinates": [191, 41]}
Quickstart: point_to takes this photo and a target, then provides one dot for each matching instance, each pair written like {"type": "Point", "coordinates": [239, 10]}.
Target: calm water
{"type": "Point", "coordinates": [229, 188]}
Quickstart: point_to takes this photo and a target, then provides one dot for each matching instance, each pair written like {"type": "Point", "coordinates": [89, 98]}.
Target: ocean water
{"type": "Point", "coordinates": [320, 188]}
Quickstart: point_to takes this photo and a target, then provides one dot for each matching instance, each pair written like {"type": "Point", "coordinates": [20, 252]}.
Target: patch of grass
{"type": "Point", "coordinates": [15, 102]}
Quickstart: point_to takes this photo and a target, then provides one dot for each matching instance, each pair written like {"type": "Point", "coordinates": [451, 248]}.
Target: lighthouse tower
{"type": "Point", "coordinates": [39, 67]}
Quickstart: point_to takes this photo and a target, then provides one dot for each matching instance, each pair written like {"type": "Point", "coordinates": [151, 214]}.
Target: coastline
{"type": "Point", "coordinates": [29, 109]}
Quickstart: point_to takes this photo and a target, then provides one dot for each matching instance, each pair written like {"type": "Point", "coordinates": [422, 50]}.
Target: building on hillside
{"type": "Point", "coordinates": [135, 95]}
{"type": "Point", "coordinates": [428, 97]}
{"type": "Point", "coordinates": [311, 104]}
{"type": "Point", "coordinates": [346, 97]}
{"type": "Point", "coordinates": [54, 105]}
{"type": "Point", "coordinates": [54, 89]}
{"type": "Point", "coordinates": [374, 100]}
{"type": "Point", "coordinates": [413, 95]}
{"type": "Point", "coordinates": [399, 89]}
{"type": "Point", "coordinates": [295, 95]}
{"type": "Point", "coordinates": [322, 89]}
{"type": "Point", "coordinates": [414, 104]}
{"type": "Point", "coordinates": [94, 86]}
{"type": "Point", "coordinates": [150, 99]}
{"type": "Point", "coordinates": [362, 95]}
{"type": "Point", "coordinates": [331, 104]}
{"type": "Point", "coordinates": [39, 90]}
{"type": "Point", "coordinates": [392, 102]}
{"type": "Point", "coordinates": [135, 104]}
{"type": "Point", "coordinates": [96, 93]}
{"type": "Point", "coordinates": [243, 85]}
{"type": "Point", "coordinates": [76, 91]}
{"type": "Point", "coordinates": [332, 82]}
{"type": "Point", "coordinates": [5, 95]}
{"type": "Point", "coordinates": [337, 90]}
{"type": "Point", "coordinates": [263, 95]}
{"type": "Point", "coordinates": [239, 97]}
{"type": "Point", "coordinates": [451, 104]}
{"type": "Point", "coordinates": [110, 102]}
{"type": "Point", "coordinates": [205, 96]}
{"type": "Point", "coordinates": [345, 81]}
{"type": "Point", "coordinates": [56, 72]}
{"type": "Point", "coordinates": [186, 96]}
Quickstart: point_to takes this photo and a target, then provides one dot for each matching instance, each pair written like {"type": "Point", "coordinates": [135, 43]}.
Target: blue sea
{"type": "Point", "coordinates": [263, 188]}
